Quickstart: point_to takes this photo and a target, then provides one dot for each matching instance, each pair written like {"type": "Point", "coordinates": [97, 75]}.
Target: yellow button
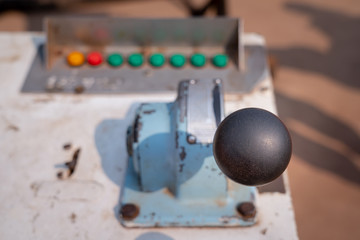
{"type": "Point", "coordinates": [75, 59]}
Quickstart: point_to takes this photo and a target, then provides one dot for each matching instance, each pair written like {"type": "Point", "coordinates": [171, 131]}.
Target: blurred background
{"type": "Point", "coordinates": [315, 51]}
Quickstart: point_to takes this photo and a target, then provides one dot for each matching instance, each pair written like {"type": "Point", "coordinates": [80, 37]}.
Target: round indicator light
{"type": "Point", "coordinates": [198, 60]}
{"type": "Point", "coordinates": [115, 59]}
{"type": "Point", "coordinates": [75, 59]}
{"type": "Point", "coordinates": [136, 59]}
{"type": "Point", "coordinates": [157, 59]}
{"type": "Point", "coordinates": [220, 60]}
{"type": "Point", "coordinates": [177, 60]}
{"type": "Point", "coordinates": [94, 58]}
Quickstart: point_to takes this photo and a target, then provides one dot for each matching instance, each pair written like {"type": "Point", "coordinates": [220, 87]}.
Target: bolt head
{"type": "Point", "coordinates": [246, 209]}
{"type": "Point", "coordinates": [129, 211]}
{"type": "Point", "coordinates": [192, 81]}
{"type": "Point", "coordinates": [191, 139]}
{"type": "Point", "coordinates": [217, 81]}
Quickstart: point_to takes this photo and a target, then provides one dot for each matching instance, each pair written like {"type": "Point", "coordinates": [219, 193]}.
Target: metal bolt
{"type": "Point", "coordinates": [246, 209]}
{"type": "Point", "coordinates": [129, 211]}
{"type": "Point", "coordinates": [192, 81]}
{"type": "Point", "coordinates": [79, 89]}
{"type": "Point", "coordinates": [217, 81]}
{"type": "Point", "coordinates": [191, 139]}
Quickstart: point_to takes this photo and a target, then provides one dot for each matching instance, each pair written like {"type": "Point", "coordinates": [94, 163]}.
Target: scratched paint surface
{"type": "Point", "coordinates": [36, 204]}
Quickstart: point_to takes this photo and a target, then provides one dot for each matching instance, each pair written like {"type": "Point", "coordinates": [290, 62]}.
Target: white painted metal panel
{"type": "Point", "coordinates": [35, 204]}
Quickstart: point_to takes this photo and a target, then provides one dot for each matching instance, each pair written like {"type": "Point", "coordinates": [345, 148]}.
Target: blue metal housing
{"type": "Point", "coordinates": [175, 181]}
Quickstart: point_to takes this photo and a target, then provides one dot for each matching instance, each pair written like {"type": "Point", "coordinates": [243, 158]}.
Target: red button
{"type": "Point", "coordinates": [94, 58]}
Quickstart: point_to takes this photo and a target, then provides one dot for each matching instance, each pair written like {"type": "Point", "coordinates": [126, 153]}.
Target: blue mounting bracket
{"type": "Point", "coordinates": [172, 177]}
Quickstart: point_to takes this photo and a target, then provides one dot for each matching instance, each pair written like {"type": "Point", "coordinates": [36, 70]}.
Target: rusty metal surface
{"type": "Point", "coordinates": [129, 211]}
{"type": "Point", "coordinates": [247, 209]}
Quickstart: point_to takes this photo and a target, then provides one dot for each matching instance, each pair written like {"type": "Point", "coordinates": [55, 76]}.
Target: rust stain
{"type": "Point", "coordinates": [129, 211]}
{"type": "Point", "coordinates": [72, 164]}
{"type": "Point", "coordinates": [79, 89]}
{"type": "Point", "coordinates": [247, 210]}
{"type": "Point", "coordinates": [106, 215]}
{"type": "Point", "coordinates": [145, 51]}
{"type": "Point", "coordinates": [67, 146]}
{"type": "Point", "coordinates": [10, 59]}
{"type": "Point", "coordinates": [43, 100]}
{"type": "Point", "coordinates": [73, 217]}
{"type": "Point", "coordinates": [233, 97]}
{"type": "Point", "coordinates": [220, 203]}
{"type": "Point", "coordinates": [171, 88]}
{"type": "Point", "coordinates": [168, 192]}
{"type": "Point", "coordinates": [35, 187]}
{"type": "Point", "coordinates": [13, 128]}
{"type": "Point", "coordinates": [60, 175]}
{"type": "Point", "coordinates": [230, 185]}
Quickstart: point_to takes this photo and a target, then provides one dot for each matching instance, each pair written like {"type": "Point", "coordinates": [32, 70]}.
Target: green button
{"type": "Point", "coordinates": [177, 60]}
{"type": "Point", "coordinates": [136, 59]}
{"type": "Point", "coordinates": [157, 59]}
{"type": "Point", "coordinates": [115, 59]}
{"type": "Point", "coordinates": [198, 60]}
{"type": "Point", "coordinates": [220, 60]}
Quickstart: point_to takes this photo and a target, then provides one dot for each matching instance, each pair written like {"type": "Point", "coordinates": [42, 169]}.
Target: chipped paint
{"type": "Point", "coordinates": [182, 153]}
{"type": "Point", "coordinates": [149, 111]}
{"type": "Point", "coordinates": [181, 167]}
{"type": "Point", "coordinates": [137, 128]}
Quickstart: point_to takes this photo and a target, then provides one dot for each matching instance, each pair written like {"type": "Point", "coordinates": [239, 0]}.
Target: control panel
{"type": "Point", "coordinates": [114, 55]}
{"type": "Point", "coordinates": [143, 128]}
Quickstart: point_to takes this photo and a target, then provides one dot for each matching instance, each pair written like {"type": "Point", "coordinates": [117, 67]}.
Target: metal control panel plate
{"type": "Point", "coordinates": [49, 71]}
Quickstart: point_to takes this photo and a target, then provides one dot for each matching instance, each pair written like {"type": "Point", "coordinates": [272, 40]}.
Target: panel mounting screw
{"type": "Point", "coordinates": [246, 209]}
{"type": "Point", "coordinates": [79, 89]}
{"type": "Point", "coordinates": [191, 139]}
{"type": "Point", "coordinates": [129, 211]}
{"type": "Point", "coordinates": [192, 81]}
{"type": "Point", "coordinates": [217, 81]}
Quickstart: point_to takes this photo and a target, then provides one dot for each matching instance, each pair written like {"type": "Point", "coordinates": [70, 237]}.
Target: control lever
{"type": "Point", "coordinates": [178, 168]}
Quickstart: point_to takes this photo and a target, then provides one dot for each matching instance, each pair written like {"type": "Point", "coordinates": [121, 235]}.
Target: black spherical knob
{"type": "Point", "coordinates": [252, 146]}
